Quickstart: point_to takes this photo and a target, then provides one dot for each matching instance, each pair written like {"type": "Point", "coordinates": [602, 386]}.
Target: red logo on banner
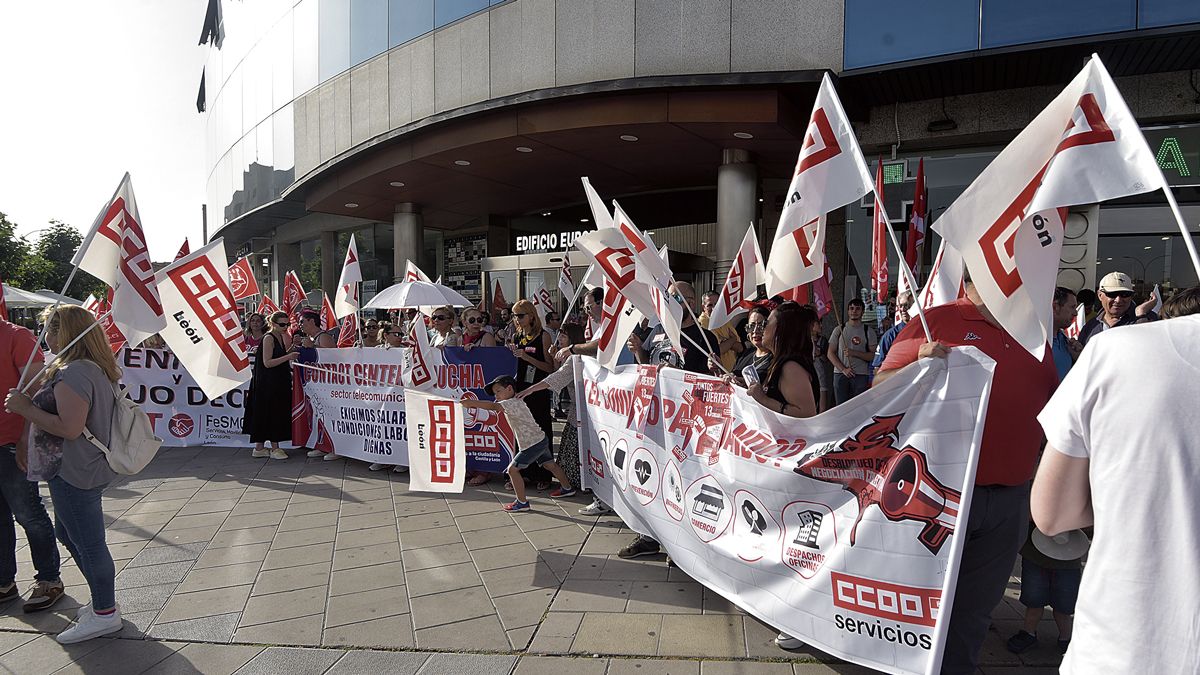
{"type": "Point", "coordinates": [181, 425]}
{"type": "Point", "coordinates": [201, 286]}
{"type": "Point", "coordinates": [821, 147]}
{"type": "Point", "coordinates": [894, 602]}
{"type": "Point", "coordinates": [443, 424]}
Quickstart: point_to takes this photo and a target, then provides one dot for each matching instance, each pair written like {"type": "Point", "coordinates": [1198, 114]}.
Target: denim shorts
{"type": "Point", "coordinates": [1041, 586]}
{"type": "Point", "coordinates": [538, 453]}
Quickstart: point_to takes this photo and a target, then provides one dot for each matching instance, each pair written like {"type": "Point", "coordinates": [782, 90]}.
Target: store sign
{"type": "Point", "coordinates": [1177, 151]}
{"type": "Point", "coordinates": [545, 243]}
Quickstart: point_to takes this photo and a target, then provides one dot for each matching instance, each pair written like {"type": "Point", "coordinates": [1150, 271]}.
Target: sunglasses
{"type": "Point", "coordinates": [1118, 294]}
{"type": "Point", "coordinates": [439, 317]}
{"type": "Point", "coordinates": [284, 324]}
{"type": "Point", "coordinates": [475, 319]}
{"type": "Point", "coordinates": [396, 332]}
{"type": "Point", "coordinates": [756, 327]}
{"type": "Point", "coordinates": [372, 326]}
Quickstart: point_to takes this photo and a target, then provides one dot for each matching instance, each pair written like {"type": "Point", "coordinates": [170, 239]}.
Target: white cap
{"type": "Point", "coordinates": [1116, 281]}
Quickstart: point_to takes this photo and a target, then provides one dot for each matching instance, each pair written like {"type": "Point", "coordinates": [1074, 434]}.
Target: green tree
{"type": "Point", "coordinates": [14, 251]}
{"type": "Point", "coordinates": [56, 247]}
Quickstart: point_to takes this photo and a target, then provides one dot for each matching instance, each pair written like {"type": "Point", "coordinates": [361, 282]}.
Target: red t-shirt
{"type": "Point", "coordinates": [15, 344]}
{"type": "Point", "coordinates": [1021, 386]}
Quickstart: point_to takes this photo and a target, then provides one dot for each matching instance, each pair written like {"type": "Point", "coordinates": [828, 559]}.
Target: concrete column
{"type": "Point", "coordinates": [287, 259]}
{"type": "Point", "coordinates": [737, 201]}
{"type": "Point", "coordinates": [330, 269]}
{"type": "Point", "coordinates": [408, 238]}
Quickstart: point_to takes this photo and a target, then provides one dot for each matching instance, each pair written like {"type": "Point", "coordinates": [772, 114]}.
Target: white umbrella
{"type": "Point", "coordinates": [421, 295]}
{"type": "Point", "coordinates": [64, 299]}
{"type": "Point", "coordinates": [17, 298]}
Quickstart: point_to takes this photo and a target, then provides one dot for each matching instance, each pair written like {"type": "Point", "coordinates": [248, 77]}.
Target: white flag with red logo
{"type": "Point", "coordinates": [411, 272]}
{"type": "Point", "coordinates": [915, 246]}
{"type": "Point", "coordinates": [114, 251]}
{"type": "Point", "coordinates": [421, 359]}
{"type": "Point", "coordinates": [242, 281]}
{"type": "Point", "coordinates": [1084, 147]}
{"type": "Point", "coordinates": [92, 304]}
{"type": "Point", "coordinates": [349, 333]}
{"type": "Point", "coordinates": [345, 301]}
{"type": "Point", "coordinates": [542, 303]}
{"type": "Point", "coordinates": [184, 250]}
{"type": "Point", "coordinates": [945, 283]}
{"type": "Point", "coordinates": [328, 319]}
{"type": "Point", "coordinates": [267, 307]}
{"type": "Point", "coordinates": [104, 316]}
{"type": "Point", "coordinates": [1072, 331]}
{"type": "Point", "coordinates": [603, 219]}
{"type": "Point", "coordinates": [203, 328]}
{"type": "Point", "coordinates": [741, 284]}
{"type": "Point", "coordinates": [437, 447]}
{"type": "Point", "coordinates": [879, 237]}
{"type": "Point", "coordinates": [649, 264]}
{"type": "Point", "coordinates": [618, 318]}
{"type": "Point", "coordinates": [830, 173]}
{"type": "Point", "coordinates": [566, 283]}
{"type": "Point", "coordinates": [293, 297]}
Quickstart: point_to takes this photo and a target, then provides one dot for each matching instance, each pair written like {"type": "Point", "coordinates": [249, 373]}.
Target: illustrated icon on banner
{"type": "Point", "coordinates": [673, 491]}
{"type": "Point", "coordinates": [709, 510]}
{"type": "Point", "coordinates": [753, 518]}
{"type": "Point", "coordinates": [620, 455]}
{"type": "Point", "coordinates": [811, 531]}
{"type": "Point", "coordinates": [644, 482]}
{"type": "Point", "coordinates": [755, 531]}
{"type": "Point", "coordinates": [810, 528]}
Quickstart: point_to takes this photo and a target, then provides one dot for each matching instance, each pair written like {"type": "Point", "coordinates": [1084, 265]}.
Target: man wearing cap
{"type": "Point", "coordinates": [1116, 302]}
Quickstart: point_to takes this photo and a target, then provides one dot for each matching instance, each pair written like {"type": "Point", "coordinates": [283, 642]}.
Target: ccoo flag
{"type": "Point", "coordinates": [741, 285]}
{"type": "Point", "coordinates": [437, 447]}
{"type": "Point", "coordinates": [345, 300]}
{"type": "Point", "coordinates": [242, 281]}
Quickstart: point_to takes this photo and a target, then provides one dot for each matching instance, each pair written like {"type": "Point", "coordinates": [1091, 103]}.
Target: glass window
{"type": "Point", "coordinates": [333, 39]}
{"type": "Point", "coordinates": [284, 143]}
{"type": "Point", "coordinates": [279, 51]}
{"type": "Point", "coordinates": [1148, 259]}
{"type": "Point", "coordinates": [304, 46]}
{"type": "Point", "coordinates": [407, 19]}
{"type": "Point", "coordinates": [453, 10]}
{"type": "Point", "coordinates": [368, 29]}
{"type": "Point", "coordinates": [884, 31]}
{"type": "Point", "coordinates": [1167, 12]}
{"type": "Point", "coordinates": [1014, 22]}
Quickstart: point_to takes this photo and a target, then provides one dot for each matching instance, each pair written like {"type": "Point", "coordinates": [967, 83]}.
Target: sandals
{"type": "Point", "coordinates": [479, 479]}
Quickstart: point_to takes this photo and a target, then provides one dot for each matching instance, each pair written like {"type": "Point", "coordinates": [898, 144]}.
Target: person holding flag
{"type": "Point", "coordinates": [657, 348]}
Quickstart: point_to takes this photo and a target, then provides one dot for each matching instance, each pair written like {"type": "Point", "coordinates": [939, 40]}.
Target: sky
{"type": "Point", "coordinates": [95, 88]}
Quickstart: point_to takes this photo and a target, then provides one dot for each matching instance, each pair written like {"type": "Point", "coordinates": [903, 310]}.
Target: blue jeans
{"type": "Point", "coordinates": [1041, 586]}
{"type": "Point", "coordinates": [23, 501]}
{"type": "Point", "coordinates": [79, 522]}
{"type": "Point", "coordinates": [846, 388]}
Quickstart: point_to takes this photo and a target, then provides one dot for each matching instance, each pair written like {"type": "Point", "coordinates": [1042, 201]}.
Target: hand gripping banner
{"type": "Point", "coordinates": [837, 529]}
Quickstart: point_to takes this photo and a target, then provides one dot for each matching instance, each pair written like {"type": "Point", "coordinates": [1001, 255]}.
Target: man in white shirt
{"type": "Point", "coordinates": [1122, 454]}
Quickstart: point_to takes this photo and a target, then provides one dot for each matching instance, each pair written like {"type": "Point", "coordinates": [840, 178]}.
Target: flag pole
{"type": "Point", "coordinates": [25, 385]}
{"type": "Point", "coordinates": [912, 283]}
{"type": "Point", "coordinates": [1183, 228]}
{"type": "Point", "coordinates": [579, 290]}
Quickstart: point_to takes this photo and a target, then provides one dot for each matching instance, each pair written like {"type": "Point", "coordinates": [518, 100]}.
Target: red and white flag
{"type": "Point", "coordinates": [411, 271]}
{"type": "Point", "coordinates": [603, 219]}
{"type": "Point", "coordinates": [498, 301]}
{"type": "Point", "coordinates": [945, 283]}
{"type": "Point", "coordinates": [741, 284]}
{"type": "Point", "coordinates": [345, 301]}
{"type": "Point", "coordinates": [183, 250]}
{"type": "Point", "coordinates": [421, 361]}
{"type": "Point", "coordinates": [328, 319]}
{"type": "Point", "coordinates": [915, 245]}
{"type": "Point", "coordinates": [830, 173]}
{"type": "Point", "coordinates": [618, 318]}
{"type": "Point", "coordinates": [879, 237]}
{"type": "Point", "coordinates": [349, 333]}
{"type": "Point", "coordinates": [649, 264]}
{"type": "Point", "coordinates": [823, 292]}
{"type": "Point", "coordinates": [1072, 331]}
{"type": "Point", "coordinates": [267, 307]}
{"type": "Point", "coordinates": [1084, 147]}
{"type": "Point", "coordinates": [92, 304]}
{"type": "Point", "coordinates": [114, 251]}
{"type": "Point", "coordinates": [542, 303]}
{"type": "Point", "coordinates": [104, 315]}
{"type": "Point", "coordinates": [3, 302]}
{"type": "Point", "coordinates": [204, 330]}
{"type": "Point", "coordinates": [566, 283]}
{"type": "Point", "coordinates": [241, 279]}
{"type": "Point", "coordinates": [437, 459]}
{"type": "Point", "coordinates": [293, 297]}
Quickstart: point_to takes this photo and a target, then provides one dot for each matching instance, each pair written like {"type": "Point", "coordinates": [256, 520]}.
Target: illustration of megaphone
{"type": "Point", "coordinates": [911, 493]}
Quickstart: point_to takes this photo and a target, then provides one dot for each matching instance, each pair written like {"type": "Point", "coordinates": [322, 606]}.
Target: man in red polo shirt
{"type": "Point", "coordinates": [1012, 438]}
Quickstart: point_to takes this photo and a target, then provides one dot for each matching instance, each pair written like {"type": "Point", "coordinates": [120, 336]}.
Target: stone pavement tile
{"type": "Point", "coordinates": [519, 637]}
{"type": "Point", "coordinates": [260, 506]}
{"type": "Point", "coordinates": [121, 657]}
{"type": "Point", "coordinates": [311, 507]}
{"type": "Point", "coordinates": [558, 536]}
{"type": "Point", "coordinates": [253, 535]}
{"type": "Point", "coordinates": [123, 536]}
{"type": "Point", "coordinates": [355, 580]}
{"type": "Point", "coordinates": [519, 579]}
{"type": "Point", "coordinates": [376, 663]}
{"type": "Point", "coordinates": [835, 669]}
{"type": "Point", "coordinates": [10, 641]}
{"type": "Point", "coordinates": [640, 569]}
{"type": "Point", "coordinates": [605, 633]}
{"type": "Point", "coordinates": [165, 573]}
{"type": "Point", "coordinates": [389, 632]}
{"type": "Point", "coordinates": [441, 579]}
{"type": "Point", "coordinates": [291, 578]}
{"type": "Point", "coordinates": [587, 568]}
{"type": "Point", "coordinates": [252, 520]}
{"type": "Point", "coordinates": [994, 651]}
{"type": "Point", "coordinates": [347, 523]}
{"type": "Point", "coordinates": [553, 665]}
{"type": "Point", "coordinates": [364, 556]}
{"type": "Point", "coordinates": [326, 519]}
{"type": "Point", "coordinates": [305, 630]}
{"type": "Point", "coordinates": [218, 577]}
{"type": "Point", "coordinates": [463, 507]}
{"type": "Point", "coordinates": [167, 554]}
{"type": "Point", "coordinates": [485, 521]}
{"type": "Point", "coordinates": [467, 664]}
{"type": "Point", "coordinates": [427, 538]}
{"type": "Point", "coordinates": [760, 642]}
{"type": "Point", "coordinates": [274, 660]}
{"type": "Point", "coordinates": [366, 508]}
{"type": "Point", "coordinates": [424, 521]}
{"type": "Point", "coordinates": [161, 494]}
{"type": "Point", "coordinates": [51, 622]}
{"type": "Point", "coordinates": [213, 628]}
{"type": "Point", "coordinates": [702, 635]}
{"type": "Point", "coordinates": [193, 507]}
{"type": "Point", "coordinates": [715, 604]}
{"type": "Point", "coordinates": [744, 668]}
{"type": "Point", "coordinates": [593, 596]}
{"type": "Point", "coordinates": [523, 609]}
{"type": "Point", "coordinates": [663, 597]}
{"type": "Point", "coordinates": [548, 517]}
{"type": "Point", "coordinates": [188, 535]}
{"type": "Point", "coordinates": [294, 557]}
{"type": "Point", "coordinates": [365, 606]}
{"type": "Point", "coordinates": [204, 603]}
{"type": "Point", "coordinates": [176, 505]}
{"type": "Point", "coordinates": [44, 655]}
{"type": "Point", "coordinates": [282, 606]}
{"type": "Point", "coordinates": [208, 659]}
{"type": "Point", "coordinates": [606, 543]}
{"type": "Point", "coordinates": [314, 535]}
{"type": "Point", "coordinates": [435, 556]}
{"type": "Point", "coordinates": [386, 534]}
{"type": "Point", "coordinates": [497, 536]}
{"type": "Point", "coordinates": [264, 494]}
{"type": "Point", "coordinates": [481, 633]}
{"type": "Point", "coordinates": [556, 633]}
{"type": "Point", "coordinates": [198, 520]}
{"type": "Point", "coordinates": [375, 491]}
{"type": "Point", "coordinates": [657, 666]}
{"type": "Point", "coordinates": [321, 492]}
{"type": "Point", "coordinates": [560, 558]}
{"type": "Point", "coordinates": [232, 555]}
{"type": "Point", "coordinates": [144, 598]}
{"type": "Point", "coordinates": [452, 606]}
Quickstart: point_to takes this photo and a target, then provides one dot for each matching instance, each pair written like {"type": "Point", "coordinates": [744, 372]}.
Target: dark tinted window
{"type": "Point", "coordinates": [407, 19]}
{"type": "Point", "coordinates": [1167, 12]}
{"type": "Point", "coordinates": [368, 29]}
{"type": "Point", "coordinates": [333, 44]}
{"type": "Point", "coordinates": [886, 31]}
{"type": "Point", "coordinates": [453, 10]}
{"type": "Point", "coordinates": [1014, 22]}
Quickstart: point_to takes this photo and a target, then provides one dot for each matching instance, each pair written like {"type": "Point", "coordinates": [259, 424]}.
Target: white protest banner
{"type": "Point", "coordinates": [204, 329]}
{"type": "Point", "coordinates": [175, 403]}
{"type": "Point", "coordinates": [437, 451]}
{"type": "Point", "coordinates": [837, 529]}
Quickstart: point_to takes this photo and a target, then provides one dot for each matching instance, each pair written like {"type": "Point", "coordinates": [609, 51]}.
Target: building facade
{"type": "Point", "coordinates": [454, 132]}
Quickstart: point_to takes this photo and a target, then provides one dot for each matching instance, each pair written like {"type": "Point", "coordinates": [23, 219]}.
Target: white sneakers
{"type": "Point", "coordinates": [596, 508]}
{"type": "Point", "coordinates": [396, 469]}
{"type": "Point", "coordinates": [315, 453]}
{"type": "Point", "coordinates": [329, 456]}
{"type": "Point", "coordinates": [88, 625]}
{"type": "Point", "coordinates": [260, 453]}
{"type": "Point", "coordinates": [785, 641]}
{"type": "Point", "coordinates": [277, 453]}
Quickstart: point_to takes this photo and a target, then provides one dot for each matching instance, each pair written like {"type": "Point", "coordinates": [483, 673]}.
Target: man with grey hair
{"type": "Point", "coordinates": [657, 349]}
{"type": "Point", "coordinates": [904, 303]}
{"type": "Point", "coordinates": [1116, 300]}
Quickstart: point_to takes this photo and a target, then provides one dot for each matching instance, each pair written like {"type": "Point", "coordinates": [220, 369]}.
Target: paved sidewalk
{"type": "Point", "coordinates": [227, 563]}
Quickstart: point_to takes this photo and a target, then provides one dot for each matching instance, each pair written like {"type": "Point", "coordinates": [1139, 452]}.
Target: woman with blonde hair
{"type": "Point", "coordinates": [533, 349]}
{"type": "Point", "coordinates": [443, 331]}
{"type": "Point", "coordinates": [78, 392]}
{"type": "Point", "coordinates": [267, 413]}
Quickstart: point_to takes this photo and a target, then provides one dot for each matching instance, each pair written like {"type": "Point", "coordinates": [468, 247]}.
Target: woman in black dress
{"type": "Point", "coordinates": [268, 416]}
{"type": "Point", "coordinates": [791, 387]}
{"type": "Point", "coordinates": [532, 347]}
